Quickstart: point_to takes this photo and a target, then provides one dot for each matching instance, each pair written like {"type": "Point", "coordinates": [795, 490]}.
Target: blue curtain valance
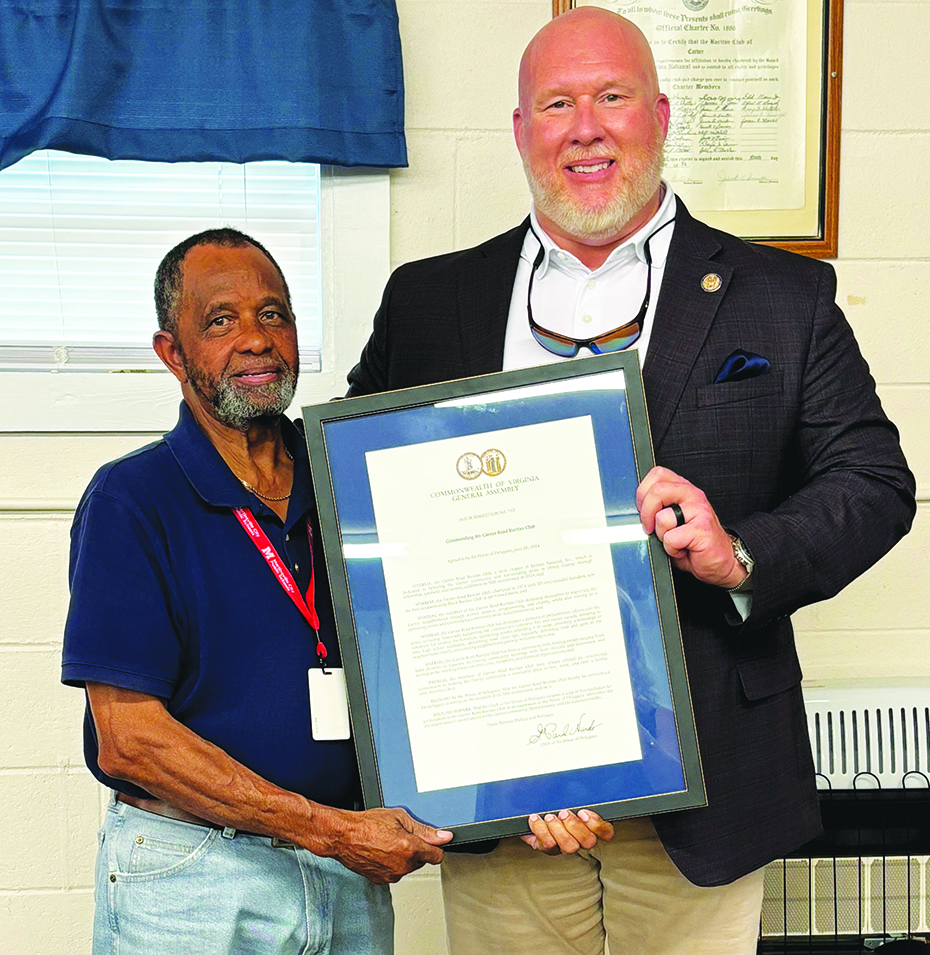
{"type": "Point", "coordinates": [194, 80]}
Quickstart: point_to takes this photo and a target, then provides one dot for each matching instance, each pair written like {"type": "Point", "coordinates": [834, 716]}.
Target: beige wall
{"type": "Point", "coordinates": [465, 184]}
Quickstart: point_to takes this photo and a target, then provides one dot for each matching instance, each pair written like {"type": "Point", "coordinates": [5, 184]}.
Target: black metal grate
{"type": "Point", "coordinates": [864, 882]}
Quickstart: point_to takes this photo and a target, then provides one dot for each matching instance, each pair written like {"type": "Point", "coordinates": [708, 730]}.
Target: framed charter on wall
{"type": "Point", "coordinates": [755, 89]}
{"type": "Point", "coordinates": [508, 632]}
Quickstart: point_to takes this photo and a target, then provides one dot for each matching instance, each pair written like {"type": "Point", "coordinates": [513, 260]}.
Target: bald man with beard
{"type": "Point", "coordinates": [779, 480]}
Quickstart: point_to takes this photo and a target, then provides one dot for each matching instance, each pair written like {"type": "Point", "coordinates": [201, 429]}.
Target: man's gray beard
{"type": "Point", "coordinates": [598, 224]}
{"type": "Point", "coordinates": [239, 409]}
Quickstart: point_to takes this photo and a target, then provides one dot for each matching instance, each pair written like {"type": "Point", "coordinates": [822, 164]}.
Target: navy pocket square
{"type": "Point", "coordinates": [741, 365]}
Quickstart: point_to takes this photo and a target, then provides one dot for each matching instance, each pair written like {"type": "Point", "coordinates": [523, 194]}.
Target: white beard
{"type": "Point", "coordinates": [553, 200]}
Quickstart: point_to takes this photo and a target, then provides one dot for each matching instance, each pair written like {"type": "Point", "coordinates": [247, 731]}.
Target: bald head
{"type": "Point", "coordinates": [573, 33]}
{"type": "Point", "coordinates": [590, 128]}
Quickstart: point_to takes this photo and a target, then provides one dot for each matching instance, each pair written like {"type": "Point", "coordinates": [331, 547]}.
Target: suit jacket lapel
{"type": "Point", "coordinates": [684, 311]}
{"type": "Point", "coordinates": [684, 314]}
{"type": "Point", "coordinates": [484, 293]}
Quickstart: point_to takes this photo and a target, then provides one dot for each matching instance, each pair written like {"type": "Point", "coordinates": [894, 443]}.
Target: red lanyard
{"type": "Point", "coordinates": [285, 578]}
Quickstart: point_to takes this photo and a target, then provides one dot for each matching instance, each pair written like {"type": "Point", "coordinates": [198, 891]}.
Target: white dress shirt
{"type": "Point", "coordinates": [571, 299]}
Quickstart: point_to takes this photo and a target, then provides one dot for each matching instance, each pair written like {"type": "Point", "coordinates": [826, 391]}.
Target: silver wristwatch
{"type": "Point", "coordinates": [741, 553]}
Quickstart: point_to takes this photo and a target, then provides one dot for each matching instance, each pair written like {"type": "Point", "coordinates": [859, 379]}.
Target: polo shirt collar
{"type": "Point", "coordinates": [215, 483]}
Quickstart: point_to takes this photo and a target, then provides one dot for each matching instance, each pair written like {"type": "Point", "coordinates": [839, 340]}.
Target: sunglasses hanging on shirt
{"type": "Point", "coordinates": [616, 339]}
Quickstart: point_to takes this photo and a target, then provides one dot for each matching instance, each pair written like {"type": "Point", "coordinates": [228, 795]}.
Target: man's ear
{"type": "Point", "coordinates": [663, 111]}
{"type": "Point", "coordinates": [167, 350]}
{"type": "Point", "coordinates": [518, 129]}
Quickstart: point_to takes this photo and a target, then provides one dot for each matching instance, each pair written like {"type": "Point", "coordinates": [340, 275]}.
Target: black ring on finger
{"type": "Point", "coordinates": [679, 514]}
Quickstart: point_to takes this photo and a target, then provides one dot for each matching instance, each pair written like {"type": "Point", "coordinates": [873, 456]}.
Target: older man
{"type": "Point", "coordinates": [200, 625]}
{"type": "Point", "coordinates": [780, 480]}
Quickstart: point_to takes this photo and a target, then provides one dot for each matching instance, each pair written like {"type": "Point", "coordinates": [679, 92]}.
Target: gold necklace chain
{"type": "Point", "coordinates": [258, 493]}
{"type": "Point", "coordinates": [265, 497]}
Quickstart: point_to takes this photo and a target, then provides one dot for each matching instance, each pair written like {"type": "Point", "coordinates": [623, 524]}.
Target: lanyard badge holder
{"type": "Point", "coordinates": [329, 711]}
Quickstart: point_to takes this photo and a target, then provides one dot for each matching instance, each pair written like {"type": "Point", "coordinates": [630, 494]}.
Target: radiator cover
{"type": "Point", "coordinates": [867, 878]}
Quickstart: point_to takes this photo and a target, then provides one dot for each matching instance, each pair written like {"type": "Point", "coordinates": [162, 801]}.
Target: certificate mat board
{"type": "Point", "coordinates": [508, 632]}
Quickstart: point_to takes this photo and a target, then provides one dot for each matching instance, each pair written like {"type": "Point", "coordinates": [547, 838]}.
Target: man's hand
{"type": "Point", "coordinates": [566, 832]}
{"type": "Point", "coordinates": [700, 546]}
{"type": "Point", "coordinates": [384, 844]}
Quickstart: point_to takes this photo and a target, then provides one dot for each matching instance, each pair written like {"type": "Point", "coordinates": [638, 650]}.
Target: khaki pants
{"type": "Point", "coordinates": [515, 901]}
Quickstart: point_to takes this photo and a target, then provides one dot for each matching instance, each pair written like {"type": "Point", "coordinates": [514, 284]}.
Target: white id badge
{"type": "Point", "coordinates": [329, 709]}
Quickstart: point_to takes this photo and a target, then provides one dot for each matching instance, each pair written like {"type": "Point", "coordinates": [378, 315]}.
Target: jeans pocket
{"type": "Point", "coordinates": [158, 848]}
{"type": "Point", "coordinates": [149, 855]}
{"type": "Point", "coordinates": [159, 872]}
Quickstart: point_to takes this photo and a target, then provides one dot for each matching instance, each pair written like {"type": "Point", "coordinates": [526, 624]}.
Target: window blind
{"type": "Point", "coordinates": [81, 237]}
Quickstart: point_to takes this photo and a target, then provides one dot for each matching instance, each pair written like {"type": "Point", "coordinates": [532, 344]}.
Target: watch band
{"type": "Point", "coordinates": [741, 553]}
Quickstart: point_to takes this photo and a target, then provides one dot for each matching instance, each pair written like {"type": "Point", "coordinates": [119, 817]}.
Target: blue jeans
{"type": "Point", "coordinates": [165, 887]}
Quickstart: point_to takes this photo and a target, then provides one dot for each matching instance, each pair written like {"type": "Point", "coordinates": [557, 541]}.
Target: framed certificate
{"type": "Point", "coordinates": [509, 633]}
{"type": "Point", "coordinates": [755, 89]}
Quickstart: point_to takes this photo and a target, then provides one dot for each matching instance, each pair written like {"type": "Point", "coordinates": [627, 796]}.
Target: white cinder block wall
{"type": "Point", "coordinates": [463, 185]}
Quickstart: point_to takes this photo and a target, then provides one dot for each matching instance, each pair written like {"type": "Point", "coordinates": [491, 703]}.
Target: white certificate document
{"type": "Point", "coordinates": [503, 604]}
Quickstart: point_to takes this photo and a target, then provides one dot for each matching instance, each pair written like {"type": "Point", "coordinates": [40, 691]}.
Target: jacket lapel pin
{"type": "Point", "coordinates": [711, 282]}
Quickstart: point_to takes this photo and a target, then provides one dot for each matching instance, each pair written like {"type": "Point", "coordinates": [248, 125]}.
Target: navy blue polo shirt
{"type": "Point", "coordinates": [170, 597]}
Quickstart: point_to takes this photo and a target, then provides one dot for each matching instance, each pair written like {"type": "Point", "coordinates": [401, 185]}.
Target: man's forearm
{"type": "Point", "coordinates": [142, 743]}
